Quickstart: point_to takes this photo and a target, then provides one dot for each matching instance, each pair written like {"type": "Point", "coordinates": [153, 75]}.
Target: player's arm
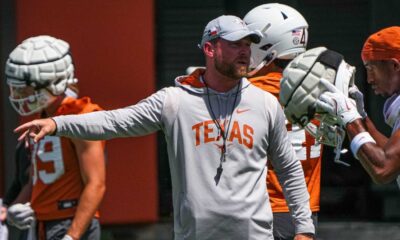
{"type": "Point", "coordinates": [26, 191]}
{"type": "Point", "coordinates": [92, 164]}
{"type": "Point", "coordinates": [290, 175]}
{"type": "Point", "coordinates": [358, 97]}
{"type": "Point", "coordinates": [12, 192]}
{"type": "Point", "coordinates": [21, 198]}
{"type": "Point", "coordinates": [378, 155]}
{"type": "Point", "coordinates": [381, 159]}
{"type": "Point", "coordinates": [380, 139]}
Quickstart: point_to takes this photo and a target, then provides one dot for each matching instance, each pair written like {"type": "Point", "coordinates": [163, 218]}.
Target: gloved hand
{"type": "Point", "coordinates": [337, 104]}
{"type": "Point", "coordinates": [357, 95]}
{"type": "Point", "coordinates": [21, 215]}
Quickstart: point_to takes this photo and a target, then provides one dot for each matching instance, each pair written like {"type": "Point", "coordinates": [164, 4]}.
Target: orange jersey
{"type": "Point", "coordinates": [57, 180]}
{"type": "Point", "coordinates": [308, 151]}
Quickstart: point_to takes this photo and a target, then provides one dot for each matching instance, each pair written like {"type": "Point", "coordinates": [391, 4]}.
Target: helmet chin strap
{"type": "Point", "coordinates": [267, 60]}
{"type": "Point", "coordinates": [255, 70]}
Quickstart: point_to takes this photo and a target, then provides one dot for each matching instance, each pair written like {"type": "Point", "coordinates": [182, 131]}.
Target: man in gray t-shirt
{"type": "Point", "coordinates": [220, 132]}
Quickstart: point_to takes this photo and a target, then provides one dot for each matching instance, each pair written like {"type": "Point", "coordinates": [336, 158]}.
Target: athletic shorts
{"type": "Point", "coordinates": [283, 226]}
{"type": "Point", "coordinates": [56, 229]}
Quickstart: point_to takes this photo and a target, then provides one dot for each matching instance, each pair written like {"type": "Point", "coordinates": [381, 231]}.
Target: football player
{"type": "Point", "coordinates": [379, 155]}
{"type": "Point", "coordinates": [284, 36]}
{"type": "Point", "coordinates": [67, 180]}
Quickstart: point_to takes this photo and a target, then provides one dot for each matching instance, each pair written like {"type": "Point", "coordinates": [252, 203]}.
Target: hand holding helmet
{"type": "Point", "coordinates": [337, 104]}
{"type": "Point", "coordinates": [301, 85]}
{"type": "Point", "coordinates": [305, 81]}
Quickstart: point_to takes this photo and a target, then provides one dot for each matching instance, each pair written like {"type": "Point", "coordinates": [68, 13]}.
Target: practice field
{"type": "Point", "coordinates": [327, 231]}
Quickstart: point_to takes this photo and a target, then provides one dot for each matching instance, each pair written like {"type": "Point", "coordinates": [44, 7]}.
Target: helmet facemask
{"type": "Point", "coordinates": [27, 100]}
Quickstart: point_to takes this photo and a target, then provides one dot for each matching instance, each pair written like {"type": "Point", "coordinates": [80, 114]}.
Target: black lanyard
{"type": "Point", "coordinates": [221, 132]}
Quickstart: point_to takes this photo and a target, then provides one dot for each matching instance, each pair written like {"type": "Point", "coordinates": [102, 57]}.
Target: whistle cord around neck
{"type": "Point", "coordinates": [221, 132]}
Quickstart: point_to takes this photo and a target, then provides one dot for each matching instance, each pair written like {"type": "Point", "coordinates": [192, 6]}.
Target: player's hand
{"type": "Point", "coordinates": [36, 129]}
{"type": "Point", "coordinates": [337, 104]}
{"type": "Point", "coordinates": [357, 95]}
{"type": "Point", "coordinates": [303, 236]}
{"type": "Point", "coordinates": [21, 215]}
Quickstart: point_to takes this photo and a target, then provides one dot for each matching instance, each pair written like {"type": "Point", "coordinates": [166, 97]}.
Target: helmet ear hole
{"type": "Point", "coordinates": [270, 57]}
{"type": "Point", "coordinates": [266, 47]}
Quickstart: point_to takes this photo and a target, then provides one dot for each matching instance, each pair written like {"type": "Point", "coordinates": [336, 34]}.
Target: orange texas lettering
{"type": "Point", "coordinates": [207, 131]}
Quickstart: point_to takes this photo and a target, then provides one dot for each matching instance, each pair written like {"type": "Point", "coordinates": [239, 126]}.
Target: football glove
{"type": "Point", "coordinates": [21, 215]}
{"type": "Point", "coordinates": [337, 104]}
{"type": "Point", "coordinates": [357, 95]}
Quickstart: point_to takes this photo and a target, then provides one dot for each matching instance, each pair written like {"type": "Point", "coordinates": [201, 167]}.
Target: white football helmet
{"type": "Point", "coordinates": [284, 30]}
{"type": "Point", "coordinates": [301, 88]}
{"type": "Point", "coordinates": [38, 70]}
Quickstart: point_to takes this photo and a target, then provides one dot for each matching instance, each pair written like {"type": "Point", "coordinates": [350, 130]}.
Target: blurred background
{"type": "Point", "coordinates": [124, 50]}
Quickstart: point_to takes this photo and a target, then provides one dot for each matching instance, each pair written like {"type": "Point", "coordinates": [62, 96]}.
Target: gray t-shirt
{"type": "Point", "coordinates": [391, 112]}
{"type": "Point", "coordinates": [210, 203]}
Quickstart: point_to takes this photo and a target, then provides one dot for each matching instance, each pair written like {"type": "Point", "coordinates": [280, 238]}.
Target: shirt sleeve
{"type": "Point", "coordinates": [140, 119]}
{"type": "Point", "coordinates": [290, 173]}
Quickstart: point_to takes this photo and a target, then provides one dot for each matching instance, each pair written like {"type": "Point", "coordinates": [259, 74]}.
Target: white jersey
{"type": "Point", "coordinates": [237, 205]}
{"type": "Point", "coordinates": [391, 112]}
